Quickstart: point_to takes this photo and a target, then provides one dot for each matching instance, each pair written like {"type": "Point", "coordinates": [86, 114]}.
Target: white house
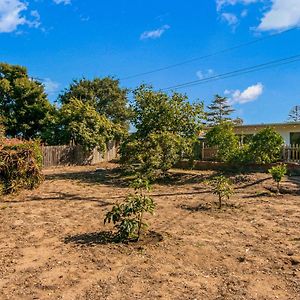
{"type": "Point", "coordinates": [289, 131]}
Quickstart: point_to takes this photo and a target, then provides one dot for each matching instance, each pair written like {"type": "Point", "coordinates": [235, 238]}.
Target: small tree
{"type": "Point", "coordinates": [278, 173]}
{"type": "Point", "coordinates": [222, 187]}
{"type": "Point", "coordinates": [219, 111]}
{"type": "Point", "coordinates": [266, 146]}
{"type": "Point", "coordinates": [294, 115]}
{"type": "Point", "coordinates": [128, 217]}
{"type": "Point", "coordinates": [223, 137]}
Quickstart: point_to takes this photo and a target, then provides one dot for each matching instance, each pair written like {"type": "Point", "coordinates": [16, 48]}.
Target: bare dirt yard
{"type": "Point", "coordinates": [52, 244]}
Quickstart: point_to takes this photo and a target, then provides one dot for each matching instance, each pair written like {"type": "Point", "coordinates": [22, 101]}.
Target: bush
{"type": "Point", "coordinates": [222, 187]}
{"type": "Point", "coordinates": [223, 137]}
{"type": "Point", "coordinates": [128, 217]}
{"type": "Point", "coordinates": [154, 155]}
{"type": "Point", "coordinates": [20, 165]}
{"type": "Point", "coordinates": [278, 173]}
{"type": "Point", "coordinates": [266, 146]}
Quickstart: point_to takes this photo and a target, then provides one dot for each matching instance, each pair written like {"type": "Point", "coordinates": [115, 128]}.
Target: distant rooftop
{"type": "Point", "coordinates": [269, 124]}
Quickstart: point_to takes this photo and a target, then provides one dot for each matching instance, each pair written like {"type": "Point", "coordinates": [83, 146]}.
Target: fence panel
{"type": "Point", "coordinates": [75, 155]}
{"type": "Point", "coordinates": [291, 153]}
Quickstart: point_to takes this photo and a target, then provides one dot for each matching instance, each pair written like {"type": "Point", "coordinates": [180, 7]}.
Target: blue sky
{"type": "Point", "coordinates": [61, 40]}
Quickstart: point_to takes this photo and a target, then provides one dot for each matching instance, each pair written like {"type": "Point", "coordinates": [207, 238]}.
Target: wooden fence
{"type": "Point", "coordinates": [75, 155]}
{"type": "Point", "coordinates": [290, 153]}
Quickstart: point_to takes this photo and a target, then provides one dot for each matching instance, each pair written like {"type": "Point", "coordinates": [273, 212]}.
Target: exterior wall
{"type": "Point", "coordinates": [283, 129]}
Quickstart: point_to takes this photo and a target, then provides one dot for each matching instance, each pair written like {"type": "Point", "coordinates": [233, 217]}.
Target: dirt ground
{"type": "Point", "coordinates": [52, 245]}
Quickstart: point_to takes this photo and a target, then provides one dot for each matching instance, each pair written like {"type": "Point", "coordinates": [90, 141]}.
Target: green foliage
{"type": "Point", "coordinates": [294, 115]}
{"type": "Point", "coordinates": [241, 155]}
{"type": "Point", "coordinates": [219, 111]}
{"type": "Point", "coordinates": [23, 102]}
{"type": "Point", "coordinates": [154, 155]}
{"type": "Point", "coordinates": [20, 165]}
{"type": "Point", "coordinates": [222, 187]}
{"type": "Point", "coordinates": [166, 129]}
{"type": "Point", "coordinates": [266, 146]}
{"type": "Point", "coordinates": [222, 137]}
{"type": "Point", "coordinates": [81, 124]}
{"type": "Point", "coordinates": [103, 94]}
{"type": "Point", "coordinates": [128, 216]}
{"type": "Point", "coordinates": [278, 173]}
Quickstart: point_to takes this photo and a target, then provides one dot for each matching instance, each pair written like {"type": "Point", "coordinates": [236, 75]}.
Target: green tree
{"type": "Point", "coordinates": [278, 173]}
{"type": "Point", "coordinates": [23, 102]}
{"type": "Point", "coordinates": [219, 111]}
{"type": "Point", "coordinates": [167, 126]}
{"type": "Point", "coordinates": [294, 115]}
{"type": "Point", "coordinates": [81, 124]}
{"type": "Point", "coordinates": [266, 146]}
{"type": "Point", "coordinates": [222, 187]}
{"type": "Point", "coordinates": [223, 138]}
{"type": "Point", "coordinates": [128, 216]}
{"type": "Point", "coordinates": [104, 94]}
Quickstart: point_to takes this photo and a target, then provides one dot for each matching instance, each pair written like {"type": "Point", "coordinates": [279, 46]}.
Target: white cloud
{"type": "Point", "coordinates": [51, 86]}
{"type": "Point", "coordinates": [222, 3]}
{"type": "Point", "coordinates": [248, 95]}
{"type": "Point", "coordinates": [65, 2]}
{"type": "Point", "coordinates": [244, 13]}
{"type": "Point", "coordinates": [154, 34]}
{"type": "Point", "coordinates": [205, 74]}
{"type": "Point", "coordinates": [12, 15]}
{"type": "Point", "coordinates": [283, 14]}
{"type": "Point", "coordinates": [231, 19]}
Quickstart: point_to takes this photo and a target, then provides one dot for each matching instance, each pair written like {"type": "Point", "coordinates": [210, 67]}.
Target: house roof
{"type": "Point", "coordinates": [294, 124]}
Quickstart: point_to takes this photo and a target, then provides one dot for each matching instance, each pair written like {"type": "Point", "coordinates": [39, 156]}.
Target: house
{"type": "Point", "coordinates": [290, 132]}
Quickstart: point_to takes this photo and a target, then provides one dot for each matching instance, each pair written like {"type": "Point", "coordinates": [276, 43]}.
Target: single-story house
{"type": "Point", "coordinates": [289, 131]}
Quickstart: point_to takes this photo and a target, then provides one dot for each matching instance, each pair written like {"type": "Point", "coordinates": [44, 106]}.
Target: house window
{"type": "Point", "coordinates": [295, 138]}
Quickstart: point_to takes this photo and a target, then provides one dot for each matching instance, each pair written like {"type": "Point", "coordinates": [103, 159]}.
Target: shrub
{"type": "Point", "coordinates": [167, 127]}
{"type": "Point", "coordinates": [128, 217]}
{"type": "Point", "coordinates": [223, 137]}
{"type": "Point", "coordinates": [278, 173]}
{"type": "Point", "coordinates": [266, 146]}
{"type": "Point", "coordinates": [20, 165]}
{"type": "Point", "coordinates": [222, 187]}
{"type": "Point", "coordinates": [154, 155]}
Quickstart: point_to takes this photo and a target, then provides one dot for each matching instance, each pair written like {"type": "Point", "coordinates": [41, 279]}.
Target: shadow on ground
{"type": "Point", "coordinates": [108, 237]}
{"type": "Point", "coordinates": [60, 196]}
{"type": "Point", "coordinates": [213, 206]}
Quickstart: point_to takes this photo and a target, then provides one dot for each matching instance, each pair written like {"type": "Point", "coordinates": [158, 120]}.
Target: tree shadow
{"type": "Point", "coordinates": [213, 207]}
{"type": "Point", "coordinates": [60, 196]}
{"type": "Point", "coordinates": [92, 239]}
{"type": "Point", "coordinates": [252, 183]}
{"type": "Point", "coordinates": [118, 178]}
{"type": "Point", "coordinates": [112, 177]}
{"type": "Point", "coordinates": [198, 207]}
{"type": "Point", "coordinates": [259, 194]}
{"type": "Point", "coordinates": [107, 237]}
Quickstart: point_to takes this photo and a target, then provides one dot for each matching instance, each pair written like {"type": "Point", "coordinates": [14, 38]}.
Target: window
{"type": "Point", "coordinates": [295, 138]}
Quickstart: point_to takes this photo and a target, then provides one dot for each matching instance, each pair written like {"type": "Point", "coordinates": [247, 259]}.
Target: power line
{"type": "Point", "coordinates": [263, 66]}
{"type": "Point", "coordinates": [210, 55]}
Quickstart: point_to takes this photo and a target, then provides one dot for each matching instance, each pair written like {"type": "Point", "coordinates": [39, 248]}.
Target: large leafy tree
{"type": "Point", "coordinates": [294, 115]}
{"type": "Point", "coordinates": [166, 128]}
{"type": "Point", "coordinates": [219, 111]}
{"type": "Point", "coordinates": [23, 103]}
{"type": "Point", "coordinates": [79, 123]}
{"type": "Point", "coordinates": [104, 94]}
